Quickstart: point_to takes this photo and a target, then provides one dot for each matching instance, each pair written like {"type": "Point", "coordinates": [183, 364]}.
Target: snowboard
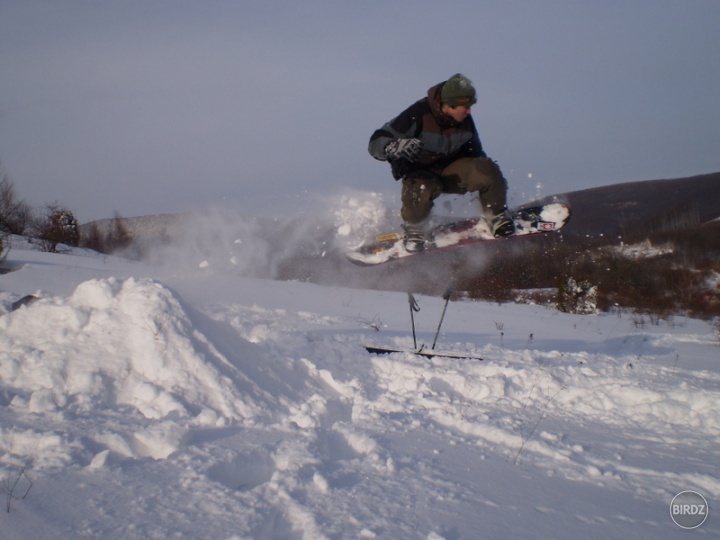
{"type": "Point", "coordinates": [529, 221]}
{"type": "Point", "coordinates": [427, 353]}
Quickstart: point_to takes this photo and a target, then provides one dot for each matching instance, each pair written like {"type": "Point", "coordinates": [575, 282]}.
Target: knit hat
{"type": "Point", "coordinates": [458, 90]}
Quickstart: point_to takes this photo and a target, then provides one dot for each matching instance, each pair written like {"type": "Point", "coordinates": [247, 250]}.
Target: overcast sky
{"type": "Point", "coordinates": [153, 106]}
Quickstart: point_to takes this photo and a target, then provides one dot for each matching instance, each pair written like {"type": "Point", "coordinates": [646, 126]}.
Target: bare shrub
{"type": "Point", "coordinates": [57, 226]}
{"type": "Point", "coordinates": [15, 215]}
{"type": "Point", "coordinates": [4, 250]}
{"type": "Point", "coordinates": [674, 281]}
{"type": "Point", "coordinates": [118, 236]}
{"type": "Point", "coordinates": [93, 238]}
{"type": "Point", "coordinates": [114, 238]}
{"type": "Point", "coordinates": [577, 296]}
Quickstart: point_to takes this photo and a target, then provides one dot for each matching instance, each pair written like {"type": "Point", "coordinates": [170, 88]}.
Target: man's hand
{"type": "Point", "coordinates": [408, 149]}
{"type": "Point", "coordinates": [399, 168]}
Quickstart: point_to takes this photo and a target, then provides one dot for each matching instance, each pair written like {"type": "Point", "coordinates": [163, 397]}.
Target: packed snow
{"type": "Point", "coordinates": [144, 401]}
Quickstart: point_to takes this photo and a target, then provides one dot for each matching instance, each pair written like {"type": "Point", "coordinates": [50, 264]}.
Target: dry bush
{"type": "Point", "coordinates": [114, 238]}
{"type": "Point", "coordinates": [674, 282]}
{"type": "Point", "coordinates": [577, 296]}
{"type": "Point", "coordinates": [15, 215]}
{"type": "Point", "coordinates": [57, 226]}
{"type": "Point", "coordinates": [4, 250]}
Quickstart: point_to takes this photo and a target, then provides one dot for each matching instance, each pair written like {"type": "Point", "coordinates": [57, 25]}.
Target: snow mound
{"type": "Point", "coordinates": [116, 343]}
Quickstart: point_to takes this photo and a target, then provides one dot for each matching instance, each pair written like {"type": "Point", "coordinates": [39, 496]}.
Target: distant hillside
{"type": "Point", "coordinates": [648, 206]}
{"type": "Point", "coordinates": [142, 227]}
{"type": "Point", "coordinates": [607, 211]}
{"type": "Point", "coordinates": [307, 249]}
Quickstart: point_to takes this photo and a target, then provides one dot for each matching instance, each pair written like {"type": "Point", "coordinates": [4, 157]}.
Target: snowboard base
{"type": "Point", "coordinates": [529, 221]}
{"type": "Point", "coordinates": [427, 353]}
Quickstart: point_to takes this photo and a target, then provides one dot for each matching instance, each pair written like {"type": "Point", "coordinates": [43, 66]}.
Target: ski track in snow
{"type": "Point", "coordinates": [220, 407]}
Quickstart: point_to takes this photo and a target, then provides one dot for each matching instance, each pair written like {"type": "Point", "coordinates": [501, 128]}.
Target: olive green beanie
{"type": "Point", "coordinates": [458, 90]}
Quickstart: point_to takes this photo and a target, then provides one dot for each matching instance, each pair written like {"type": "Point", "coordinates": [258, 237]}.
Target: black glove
{"type": "Point", "coordinates": [399, 168]}
{"type": "Point", "coordinates": [408, 149]}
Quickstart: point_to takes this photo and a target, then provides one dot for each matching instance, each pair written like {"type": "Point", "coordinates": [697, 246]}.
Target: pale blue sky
{"type": "Point", "coordinates": [152, 106]}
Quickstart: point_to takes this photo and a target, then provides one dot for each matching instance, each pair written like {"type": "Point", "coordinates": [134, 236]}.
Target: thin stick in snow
{"type": "Point", "coordinates": [9, 488]}
{"type": "Point", "coordinates": [413, 309]}
{"type": "Point", "coordinates": [532, 431]}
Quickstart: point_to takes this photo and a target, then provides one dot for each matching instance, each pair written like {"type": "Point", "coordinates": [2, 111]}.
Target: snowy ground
{"type": "Point", "coordinates": [162, 403]}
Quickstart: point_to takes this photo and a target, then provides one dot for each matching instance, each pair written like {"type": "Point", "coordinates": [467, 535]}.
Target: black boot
{"type": "Point", "coordinates": [414, 238]}
{"type": "Point", "coordinates": [502, 225]}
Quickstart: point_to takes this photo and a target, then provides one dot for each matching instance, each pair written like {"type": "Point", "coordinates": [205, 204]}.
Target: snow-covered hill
{"type": "Point", "coordinates": [170, 401]}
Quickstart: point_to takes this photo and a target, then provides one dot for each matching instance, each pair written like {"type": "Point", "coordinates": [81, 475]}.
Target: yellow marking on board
{"type": "Point", "coordinates": [386, 237]}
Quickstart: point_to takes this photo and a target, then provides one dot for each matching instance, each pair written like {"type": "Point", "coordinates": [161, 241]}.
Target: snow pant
{"type": "Point", "coordinates": [465, 175]}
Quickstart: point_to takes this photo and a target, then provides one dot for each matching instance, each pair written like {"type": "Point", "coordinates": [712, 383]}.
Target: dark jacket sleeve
{"type": "Point", "coordinates": [407, 124]}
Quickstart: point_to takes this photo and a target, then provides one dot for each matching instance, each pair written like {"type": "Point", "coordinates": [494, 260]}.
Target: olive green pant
{"type": "Point", "coordinates": [466, 175]}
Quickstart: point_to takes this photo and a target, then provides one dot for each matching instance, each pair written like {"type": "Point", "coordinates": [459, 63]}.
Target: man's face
{"type": "Point", "coordinates": [458, 113]}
